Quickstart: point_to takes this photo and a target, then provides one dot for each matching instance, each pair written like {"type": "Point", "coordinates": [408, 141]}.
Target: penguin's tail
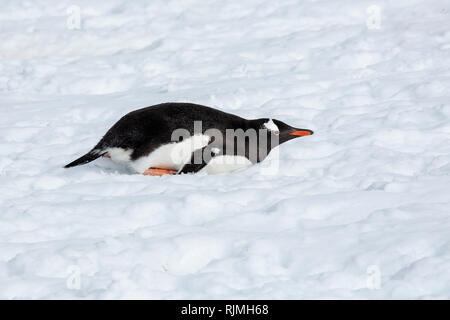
{"type": "Point", "coordinates": [88, 157]}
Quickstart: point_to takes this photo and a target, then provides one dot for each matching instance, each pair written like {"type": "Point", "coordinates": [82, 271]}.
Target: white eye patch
{"type": "Point", "coordinates": [271, 126]}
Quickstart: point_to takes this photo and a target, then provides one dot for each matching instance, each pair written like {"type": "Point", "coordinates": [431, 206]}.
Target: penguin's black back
{"type": "Point", "coordinates": [145, 129]}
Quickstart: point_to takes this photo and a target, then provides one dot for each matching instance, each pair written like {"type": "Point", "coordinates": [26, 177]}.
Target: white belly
{"type": "Point", "coordinates": [173, 155]}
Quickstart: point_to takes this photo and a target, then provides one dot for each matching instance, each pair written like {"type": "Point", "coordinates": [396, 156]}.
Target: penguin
{"type": "Point", "coordinates": [178, 138]}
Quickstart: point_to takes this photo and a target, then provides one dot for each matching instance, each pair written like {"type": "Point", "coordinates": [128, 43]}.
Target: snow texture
{"type": "Point", "coordinates": [359, 210]}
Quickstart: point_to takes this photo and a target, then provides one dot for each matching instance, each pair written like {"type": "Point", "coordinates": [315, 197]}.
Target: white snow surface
{"type": "Point", "coordinates": [359, 210]}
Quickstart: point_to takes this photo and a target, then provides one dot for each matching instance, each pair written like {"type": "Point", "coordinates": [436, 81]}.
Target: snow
{"type": "Point", "coordinates": [359, 210]}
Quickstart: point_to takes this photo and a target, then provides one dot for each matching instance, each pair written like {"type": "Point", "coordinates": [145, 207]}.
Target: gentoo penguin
{"type": "Point", "coordinates": [175, 138]}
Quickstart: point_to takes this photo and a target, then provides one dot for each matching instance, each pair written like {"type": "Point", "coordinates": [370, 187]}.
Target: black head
{"type": "Point", "coordinates": [272, 132]}
{"type": "Point", "coordinates": [278, 128]}
{"type": "Point", "coordinates": [288, 133]}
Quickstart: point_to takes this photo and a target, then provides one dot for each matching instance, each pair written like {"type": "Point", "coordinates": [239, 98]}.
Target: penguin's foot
{"type": "Point", "coordinates": [106, 155]}
{"type": "Point", "coordinates": [158, 171]}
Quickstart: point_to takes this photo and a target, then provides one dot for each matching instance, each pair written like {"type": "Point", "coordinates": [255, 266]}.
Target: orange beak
{"type": "Point", "coordinates": [301, 133]}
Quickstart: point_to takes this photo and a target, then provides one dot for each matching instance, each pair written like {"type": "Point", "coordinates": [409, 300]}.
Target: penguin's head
{"type": "Point", "coordinates": [284, 131]}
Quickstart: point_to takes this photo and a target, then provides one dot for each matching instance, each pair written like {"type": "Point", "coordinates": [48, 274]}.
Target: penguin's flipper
{"type": "Point", "coordinates": [88, 157]}
{"type": "Point", "coordinates": [198, 161]}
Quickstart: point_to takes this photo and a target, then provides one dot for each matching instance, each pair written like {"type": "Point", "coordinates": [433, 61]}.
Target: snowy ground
{"type": "Point", "coordinates": [359, 210]}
